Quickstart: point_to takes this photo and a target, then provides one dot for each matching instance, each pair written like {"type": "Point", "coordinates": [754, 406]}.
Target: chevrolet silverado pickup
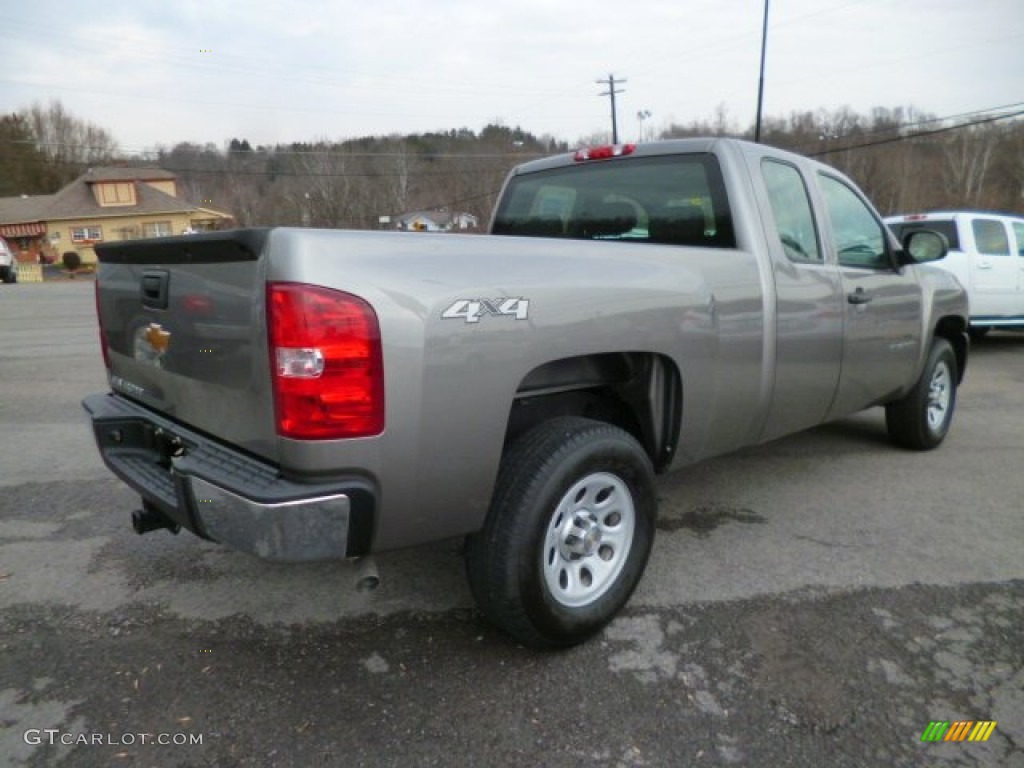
{"type": "Point", "coordinates": [306, 394]}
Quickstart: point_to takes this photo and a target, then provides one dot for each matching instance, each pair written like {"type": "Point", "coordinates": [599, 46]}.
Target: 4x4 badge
{"type": "Point", "coordinates": [471, 310]}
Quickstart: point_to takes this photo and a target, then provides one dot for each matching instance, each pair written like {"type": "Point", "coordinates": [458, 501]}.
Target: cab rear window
{"type": "Point", "coordinates": [676, 200]}
{"type": "Point", "coordinates": [947, 228]}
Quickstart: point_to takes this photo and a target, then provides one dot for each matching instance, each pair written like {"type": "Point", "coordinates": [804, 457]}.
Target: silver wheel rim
{"type": "Point", "coordinates": [588, 539]}
{"type": "Point", "coordinates": [939, 394]}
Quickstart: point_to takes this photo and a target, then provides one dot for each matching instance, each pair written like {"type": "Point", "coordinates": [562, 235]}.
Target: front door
{"type": "Point", "coordinates": [882, 305]}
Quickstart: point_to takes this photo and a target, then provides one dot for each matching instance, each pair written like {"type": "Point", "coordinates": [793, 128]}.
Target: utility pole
{"type": "Point", "coordinates": [760, 82]}
{"type": "Point", "coordinates": [611, 82]}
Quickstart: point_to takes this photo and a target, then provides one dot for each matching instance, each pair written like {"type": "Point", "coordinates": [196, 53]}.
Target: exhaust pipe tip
{"type": "Point", "coordinates": [151, 519]}
{"type": "Point", "coordinates": [367, 575]}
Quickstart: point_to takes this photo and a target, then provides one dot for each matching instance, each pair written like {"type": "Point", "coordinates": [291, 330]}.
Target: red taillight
{"type": "Point", "coordinates": [603, 153]}
{"type": "Point", "coordinates": [99, 323]}
{"type": "Point", "coordinates": [325, 357]}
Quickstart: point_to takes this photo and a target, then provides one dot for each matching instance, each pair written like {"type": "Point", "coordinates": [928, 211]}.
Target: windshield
{"type": "Point", "coordinates": [673, 199]}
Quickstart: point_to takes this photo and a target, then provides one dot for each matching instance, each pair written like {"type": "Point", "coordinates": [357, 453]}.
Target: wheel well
{"type": "Point", "coordinates": [954, 330]}
{"type": "Point", "coordinates": [640, 392]}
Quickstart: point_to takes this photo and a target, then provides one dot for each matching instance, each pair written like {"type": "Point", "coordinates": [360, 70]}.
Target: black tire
{"type": "Point", "coordinates": [921, 420]}
{"type": "Point", "coordinates": [556, 559]}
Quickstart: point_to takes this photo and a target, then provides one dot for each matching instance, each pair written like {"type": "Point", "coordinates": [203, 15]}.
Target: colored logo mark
{"type": "Point", "coordinates": [958, 730]}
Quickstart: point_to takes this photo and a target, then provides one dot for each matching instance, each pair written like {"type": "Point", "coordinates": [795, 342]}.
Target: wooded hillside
{"type": "Point", "coordinates": [904, 160]}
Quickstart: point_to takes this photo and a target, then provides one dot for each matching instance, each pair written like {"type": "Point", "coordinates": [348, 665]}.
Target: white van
{"type": "Point", "coordinates": [8, 264]}
{"type": "Point", "coordinates": [986, 253]}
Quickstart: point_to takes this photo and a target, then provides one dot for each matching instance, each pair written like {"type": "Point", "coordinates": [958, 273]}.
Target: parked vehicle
{"type": "Point", "coordinates": [636, 309]}
{"type": "Point", "coordinates": [986, 253]}
{"type": "Point", "coordinates": [8, 263]}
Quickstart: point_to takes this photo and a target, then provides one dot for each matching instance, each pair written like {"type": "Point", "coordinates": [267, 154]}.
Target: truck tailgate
{"type": "Point", "coordinates": [183, 320]}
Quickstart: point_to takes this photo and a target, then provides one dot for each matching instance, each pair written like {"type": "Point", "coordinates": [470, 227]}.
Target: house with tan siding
{"type": "Point", "coordinates": [102, 204]}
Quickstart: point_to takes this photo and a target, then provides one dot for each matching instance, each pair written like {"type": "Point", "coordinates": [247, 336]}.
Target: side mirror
{"type": "Point", "coordinates": [924, 245]}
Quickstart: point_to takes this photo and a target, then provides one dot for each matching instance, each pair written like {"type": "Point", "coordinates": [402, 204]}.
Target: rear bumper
{"type": "Point", "coordinates": [224, 495]}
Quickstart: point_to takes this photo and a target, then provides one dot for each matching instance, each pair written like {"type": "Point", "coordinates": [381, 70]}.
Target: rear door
{"type": "Point", "coordinates": [809, 297]}
{"type": "Point", "coordinates": [882, 304]}
{"type": "Point", "coordinates": [995, 268]}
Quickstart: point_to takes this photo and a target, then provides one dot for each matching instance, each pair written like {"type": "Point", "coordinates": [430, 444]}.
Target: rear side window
{"type": "Point", "coordinates": [675, 199]}
{"type": "Point", "coordinates": [791, 209]}
{"type": "Point", "coordinates": [990, 237]}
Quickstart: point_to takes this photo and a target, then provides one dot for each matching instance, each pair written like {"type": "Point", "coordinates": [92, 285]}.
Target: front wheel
{"type": "Point", "coordinates": [921, 420]}
{"type": "Point", "coordinates": [568, 533]}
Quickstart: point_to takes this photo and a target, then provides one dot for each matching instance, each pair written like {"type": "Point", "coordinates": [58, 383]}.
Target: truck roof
{"type": "Point", "coordinates": [654, 148]}
{"type": "Point", "coordinates": [949, 215]}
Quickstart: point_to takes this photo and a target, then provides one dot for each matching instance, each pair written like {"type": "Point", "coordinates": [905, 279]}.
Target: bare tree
{"type": "Point", "coordinates": [967, 154]}
{"type": "Point", "coordinates": [70, 144]}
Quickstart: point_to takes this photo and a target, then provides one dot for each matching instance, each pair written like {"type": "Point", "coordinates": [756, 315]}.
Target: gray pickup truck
{"type": "Point", "coordinates": [303, 394]}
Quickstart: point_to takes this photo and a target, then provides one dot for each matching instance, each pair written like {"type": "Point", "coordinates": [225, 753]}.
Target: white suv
{"type": "Point", "coordinates": [986, 253]}
{"type": "Point", "coordinates": [8, 264]}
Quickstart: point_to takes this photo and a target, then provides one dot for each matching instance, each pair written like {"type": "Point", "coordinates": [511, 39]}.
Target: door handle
{"type": "Point", "coordinates": [859, 297]}
{"type": "Point", "coordinates": [984, 265]}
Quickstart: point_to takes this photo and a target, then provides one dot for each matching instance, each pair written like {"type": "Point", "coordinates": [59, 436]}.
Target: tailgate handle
{"type": "Point", "coordinates": [154, 288]}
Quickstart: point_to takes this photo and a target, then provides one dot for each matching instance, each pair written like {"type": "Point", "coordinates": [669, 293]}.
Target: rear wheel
{"type": "Point", "coordinates": [921, 419]}
{"type": "Point", "coordinates": [568, 533]}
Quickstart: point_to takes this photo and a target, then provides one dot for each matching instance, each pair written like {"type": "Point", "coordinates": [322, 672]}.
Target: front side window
{"type": "Point", "coordinates": [791, 209]}
{"type": "Point", "coordinates": [671, 199]}
{"type": "Point", "coordinates": [990, 237]}
{"type": "Point", "coordinates": [858, 236]}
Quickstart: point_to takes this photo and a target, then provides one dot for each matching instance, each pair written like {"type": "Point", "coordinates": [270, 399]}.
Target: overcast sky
{"type": "Point", "coordinates": [206, 71]}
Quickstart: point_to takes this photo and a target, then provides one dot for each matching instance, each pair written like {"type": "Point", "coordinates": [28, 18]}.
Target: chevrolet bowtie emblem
{"type": "Point", "coordinates": [157, 337]}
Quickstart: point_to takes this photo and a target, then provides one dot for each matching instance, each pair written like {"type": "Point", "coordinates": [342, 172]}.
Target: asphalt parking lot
{"type": "Point", "coordinates": [814, 602]}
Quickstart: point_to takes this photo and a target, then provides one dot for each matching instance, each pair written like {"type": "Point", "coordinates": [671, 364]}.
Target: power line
{"type": "Point", "coordinates": [276, 151]}
{"type": "Point", "coordinates": [918, 135]}
{"type": "Point", "coordinates": [257, 66]}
